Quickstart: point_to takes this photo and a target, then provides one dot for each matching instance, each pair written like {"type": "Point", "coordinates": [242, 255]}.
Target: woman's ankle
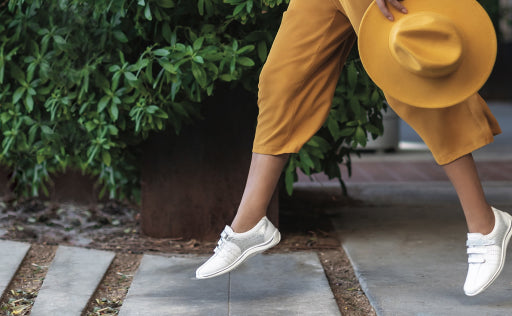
{"type": "Point", "coordinates": [484, 225]}
{"type": "Point", "coordinates": [242, 224]}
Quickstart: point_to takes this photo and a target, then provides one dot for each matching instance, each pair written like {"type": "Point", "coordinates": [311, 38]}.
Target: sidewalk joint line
{"type": "Point", "coordinates": [229, 293]}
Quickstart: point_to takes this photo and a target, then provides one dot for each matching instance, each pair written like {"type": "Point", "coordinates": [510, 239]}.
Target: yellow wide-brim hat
{"type": "Point", "coordinates": [437, 55]}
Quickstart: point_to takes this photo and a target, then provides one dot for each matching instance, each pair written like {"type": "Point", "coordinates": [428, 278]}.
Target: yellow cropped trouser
{"type": "Point", "coordinates": [298, 80]}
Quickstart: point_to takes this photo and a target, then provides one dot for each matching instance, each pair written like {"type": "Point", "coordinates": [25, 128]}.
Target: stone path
{"type": "Point", "coordinates": [72, 278]}
{"type": "Point", "coordinates": [11, 256]}
{"type": "Point", "coordinates": [277, 284]}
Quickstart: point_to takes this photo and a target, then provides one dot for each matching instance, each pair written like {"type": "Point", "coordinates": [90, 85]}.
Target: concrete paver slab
{"type": "Point", "coordinates": [72, 278]}
{"type": "Point", "coordinates": [167, 286]}
{"type": "Point", "coordinates": [11, 256]}
{"type": "Point", "coordinates": [281, 284]}
{"type": "Point", "coordinates": [411, 260]}
{"type": "Point", "coordinates": [284, 284]}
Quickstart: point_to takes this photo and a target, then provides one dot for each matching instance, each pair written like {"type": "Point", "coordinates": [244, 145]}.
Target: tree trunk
{"type": "Point", "coordinates": [192, 183]}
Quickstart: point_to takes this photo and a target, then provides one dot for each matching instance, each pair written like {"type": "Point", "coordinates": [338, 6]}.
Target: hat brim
{"type": "Point", "coordinates": [479, 42]}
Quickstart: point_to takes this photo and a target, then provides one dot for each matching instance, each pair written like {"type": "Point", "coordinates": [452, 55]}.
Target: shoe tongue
{"type": "Point", "coordinates": [477, 239]}
{"type": "Point", "coordinates": [474, 236]}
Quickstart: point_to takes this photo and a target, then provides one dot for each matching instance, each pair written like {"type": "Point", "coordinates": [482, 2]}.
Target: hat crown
{"type": "Point", "coordinates": [427, 44]}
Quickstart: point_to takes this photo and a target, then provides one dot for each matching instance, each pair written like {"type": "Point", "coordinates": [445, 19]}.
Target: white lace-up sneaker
{"type": "Point", "coordinates": [234, 248]}
{"type": "Point", "coordinates": [486, 254]}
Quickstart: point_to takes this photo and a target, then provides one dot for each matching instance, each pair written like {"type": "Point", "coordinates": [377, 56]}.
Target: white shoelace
{"type": "Point", "coordinates": [221, 242]}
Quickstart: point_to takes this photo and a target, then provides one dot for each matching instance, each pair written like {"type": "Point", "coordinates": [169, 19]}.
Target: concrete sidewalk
{"type": "Point", "coordinates": [409, 253]}
{"type": "Point", "coordinates": [406, 235]}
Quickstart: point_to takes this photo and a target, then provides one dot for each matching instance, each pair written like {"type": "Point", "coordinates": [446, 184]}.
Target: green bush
{"type": "Point", "coordinates": [85, 81]}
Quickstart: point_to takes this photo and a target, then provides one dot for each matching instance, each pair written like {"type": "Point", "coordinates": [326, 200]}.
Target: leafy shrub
{"type": "Point", "coordinates": [85, 81]}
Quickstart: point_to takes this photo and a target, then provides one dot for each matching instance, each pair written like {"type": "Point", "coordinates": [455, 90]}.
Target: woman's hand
{"type": "Point", "coordinates": [383, 6]}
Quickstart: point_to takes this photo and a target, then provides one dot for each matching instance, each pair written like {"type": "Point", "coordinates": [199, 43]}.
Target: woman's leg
{"type": "Point", "coordinates": [489, 229]}
{"type": "Point", "coordinates": [464, 177]}
{"type": "Point", "coordinates": [263, 176]}
{"type": "Point", "coordinates": [296, 88]}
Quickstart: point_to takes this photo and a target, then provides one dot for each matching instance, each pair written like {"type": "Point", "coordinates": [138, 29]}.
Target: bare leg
{"type": "Point", "coordinates": [263, 176]}
{"type": "Point", "coordinates": [464, 177]}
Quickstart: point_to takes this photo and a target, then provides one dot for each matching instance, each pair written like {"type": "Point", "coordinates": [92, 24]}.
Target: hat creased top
{"type": "Point", "coordinates": [427, 44]}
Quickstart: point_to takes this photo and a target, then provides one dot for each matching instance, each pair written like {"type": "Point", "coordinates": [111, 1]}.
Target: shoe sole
{"type": "Point", "coordinates": [254, 250]}
{"type": "Point", "coordinates": [504, 245]}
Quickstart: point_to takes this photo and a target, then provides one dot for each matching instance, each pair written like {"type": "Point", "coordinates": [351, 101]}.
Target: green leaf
{"type": "Point", "coordinates": [47, 130]}
{"type": "Point", "coordinates": [40, 158]}
{"type": "Point", "coordinates": [321, 142]}
{"type": "Point", "coordinates": [200, 7]}
{"type": "Point", "coordinates": [106, 158]}
{"type": "Point", "coordinates": [130, 76]}
{"type": "Point", "coordinates": [166, 32]}
{"type": "Point", "coordinates": [167, 66]}
{"type": "Point", "coordinates": [304, 158]}
{"type": "Point", "coordinates": [112, 130]}
{"type": "Point", "coordinates": [199, 74]}
{"type": "Point", "coordinates": [333, 127]}
{"type": "Point", "coordinates": [114, 112]}
{"type": "Point", "coordinates": [198, 43]}
{"type": "Point", "coordinates": [59, 40]}
{"type": "Point", "coordinates": [347, 132]}
{"type": "Point", "coordinates": [352, 75]}
{"type": "Point", "coordinates": [262, 50]}
{"type": "Point", "coordinates": [180, 109]}
{"type": "Point", "coordinates": [360, 136]}
{"type": "Point", "coordinates": [89, 126]}
{"type": "Point", "coordinates": [167, 4]}
{"type": "Point", "coordinates": [226, 77]}
{"type": "Point", "coordinates": [289, 176]}
{"type": "Point", "coordinates": [120, 36]}
{"type": "Point", "coordinates": [161, 52]}
{"type": "Point", "coordinates": [245, 61]}
{"type": "Point", "coordinates": [17, 73]}
{"type": "Point", "coordinates": [4, 117]}
{"type": "Point", "coordinates": [152, 109]}
{"type": "Point", "coordinates": [239, 8]}
{"type": "Point", "coordinates": [29, 103]}
{"type": "Point", "coordinates": [18, 94]}
{"type": "Point", "coordinates": [245, 49]}
{"type": "Point", "coordinates": [373, 129]}
{"type": "Point", "coordinates": [103, 103]}
{"type": "Point", "coordinates": [355, 106]}
{"type": "Point", "coordinates": [198, 59]}
{"type": "Point", "coordinates": [147, 13]}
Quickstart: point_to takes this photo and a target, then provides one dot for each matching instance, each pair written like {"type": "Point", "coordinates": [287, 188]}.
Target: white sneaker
{"type": "Point", "coordinates": [234, 248]}
{"type": "Point", "coordinates": [487, 254]}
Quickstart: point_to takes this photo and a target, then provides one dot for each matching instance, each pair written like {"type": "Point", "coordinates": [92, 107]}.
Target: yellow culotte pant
{"type": "Point", "coordinates": [298, 80]}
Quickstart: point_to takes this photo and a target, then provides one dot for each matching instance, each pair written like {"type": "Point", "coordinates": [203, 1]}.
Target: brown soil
{"type": "Point", "coordinates": [115, 284]}
{"type": "Point", "coordinates": [114, 226]}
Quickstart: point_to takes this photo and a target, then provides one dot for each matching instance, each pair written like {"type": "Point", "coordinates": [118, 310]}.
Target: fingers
{"type": "Point", "coordinates": [382, 4]}
{"type": "Point", "coordinates": [384, 9]}
{"type": "Point", "coordinates": [398, 5]}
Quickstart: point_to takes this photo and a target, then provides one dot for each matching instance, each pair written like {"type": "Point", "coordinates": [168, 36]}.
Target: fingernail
{"type": "Point", "coordinates": [390, 18]}
{"type": "Point", "coordinates": [404, 10]}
